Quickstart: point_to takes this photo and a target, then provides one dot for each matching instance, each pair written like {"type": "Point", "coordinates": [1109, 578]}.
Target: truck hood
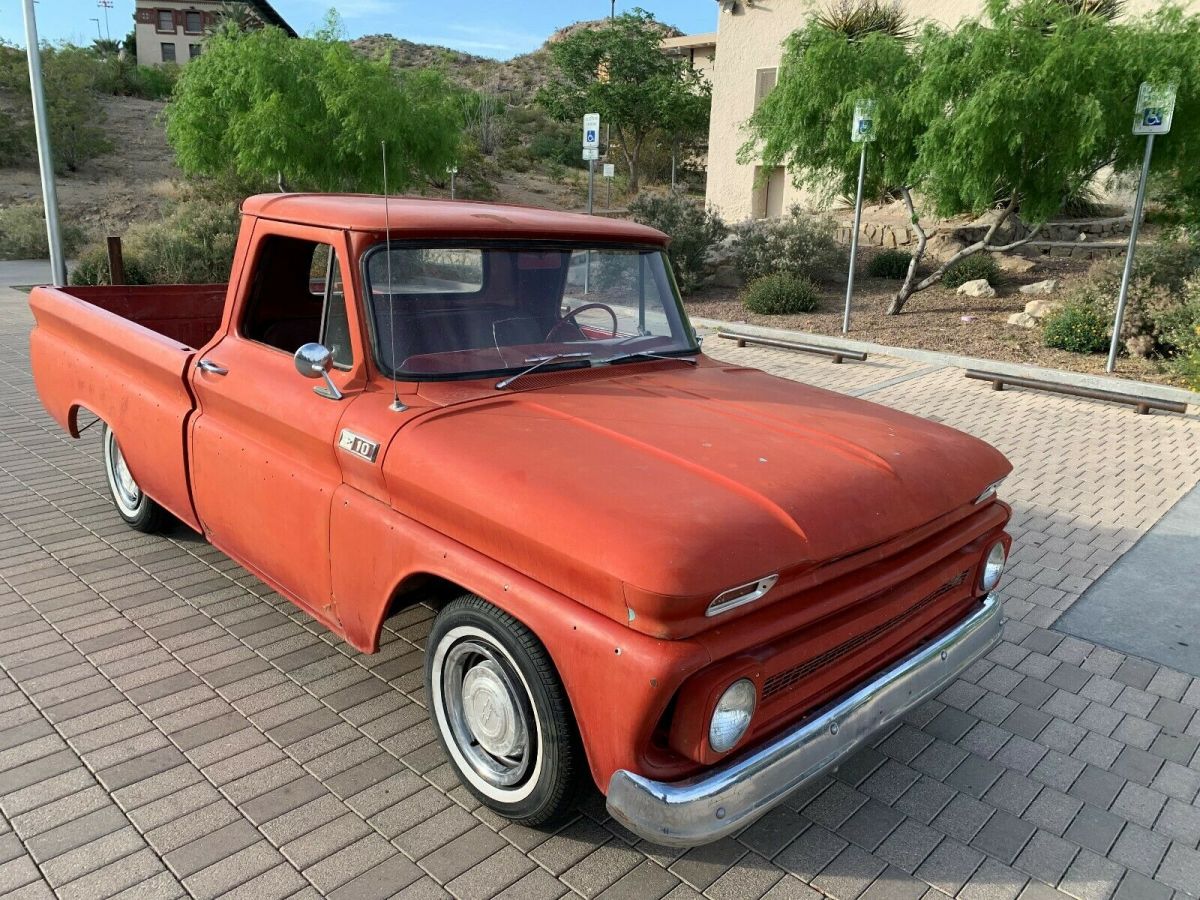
{"type": "Point", "coordinates": [677, 482]}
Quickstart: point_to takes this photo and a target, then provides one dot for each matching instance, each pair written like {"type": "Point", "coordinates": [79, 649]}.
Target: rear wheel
{"type": "Point", "coordinates": [138, 510]}
{"type": "Point", "coordinates": [501, 713]}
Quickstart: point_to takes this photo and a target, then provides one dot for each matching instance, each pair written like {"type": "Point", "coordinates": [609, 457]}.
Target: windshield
{"type": "Point", "coordinates": [459, 311]}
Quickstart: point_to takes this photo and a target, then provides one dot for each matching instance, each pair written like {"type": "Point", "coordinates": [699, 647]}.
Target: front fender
{"type": "Point", "coordinates": [619, 681]}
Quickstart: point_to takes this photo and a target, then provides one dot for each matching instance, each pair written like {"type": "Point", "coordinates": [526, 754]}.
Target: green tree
{"type": "Point", "coordinates": [619, 71]}
{"type": "Point", "coordinates": [309, 113]}
{"type": "Point", "coordinates": [804, 124]}
{"type": "Point", "coordinates": [1013, 112]}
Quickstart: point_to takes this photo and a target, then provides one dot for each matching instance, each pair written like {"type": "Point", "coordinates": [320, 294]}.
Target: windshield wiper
{"type": "Point", "coordinates": [538, 362]}
{"type": "Point", "coordinates": [646, 354]}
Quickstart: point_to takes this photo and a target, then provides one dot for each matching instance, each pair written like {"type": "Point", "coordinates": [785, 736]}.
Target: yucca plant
{"type": "Point", "coordinates": [858, 18]}
{"type": "Point", "coordinates": [1103, 9]}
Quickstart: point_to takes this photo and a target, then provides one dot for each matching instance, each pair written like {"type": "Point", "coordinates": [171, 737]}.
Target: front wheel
{"type": "Point", "coordinates": [138, 510]}
{"type": "Point", "coordinates": [501, 713]}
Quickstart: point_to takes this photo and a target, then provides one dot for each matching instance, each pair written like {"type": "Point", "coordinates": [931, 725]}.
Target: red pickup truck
{"type": "Point", "coordinates": [702, 583]}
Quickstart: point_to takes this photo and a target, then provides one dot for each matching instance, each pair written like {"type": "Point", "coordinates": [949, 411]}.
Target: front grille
{"type": "Point", "coordinates": [782, 681]}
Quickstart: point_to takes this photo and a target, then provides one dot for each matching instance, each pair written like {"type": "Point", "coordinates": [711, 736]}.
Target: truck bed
{"type": "Point", "coordinates": [187, 313]}
{"type": "Point", "coordinates": [124, 354]}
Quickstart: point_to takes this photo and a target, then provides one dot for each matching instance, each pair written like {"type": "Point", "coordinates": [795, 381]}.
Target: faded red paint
{"type": "Point", "coordinates": [603, 508]}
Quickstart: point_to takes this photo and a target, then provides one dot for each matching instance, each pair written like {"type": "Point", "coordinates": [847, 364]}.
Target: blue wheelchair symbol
{"type": "Point", "coordinates": [1152, 117]}
{"type": "Point", "coordinates": [864, 126]}
{"type": "Point", "coordinates": [591, 136]}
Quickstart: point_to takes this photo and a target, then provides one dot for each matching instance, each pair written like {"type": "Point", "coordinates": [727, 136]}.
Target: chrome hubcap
{"type": "Point", "coordinates": [127, 492]}
{"type": "Point", "coordinates": [486, 713]}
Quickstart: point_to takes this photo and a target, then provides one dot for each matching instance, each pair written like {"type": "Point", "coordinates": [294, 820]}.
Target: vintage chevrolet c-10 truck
{"type": "Point", "coordinates": [702, 583]}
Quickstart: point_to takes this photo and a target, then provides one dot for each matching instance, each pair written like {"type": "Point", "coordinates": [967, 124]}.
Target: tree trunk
{"type": "Point", "coordinates": [632, 155]}
{"type": "Point", "coordinates": [283, 185]}
{"type": "Point", "coordinates": [984, 245]}
{"type": "Point", "coordinates": [906, 289]}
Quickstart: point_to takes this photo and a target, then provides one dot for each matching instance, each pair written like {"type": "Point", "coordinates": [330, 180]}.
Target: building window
{"type": "Point", "coordinates": [168, 52]}
{"type": "Point", "coordinates": [193, 22]}
{"type": "Point", "coordinates": [166, 21]}
{"type": "Point", "coordinates": [193, 51]}
{"type": "Point", "coordinates": [764, 83]}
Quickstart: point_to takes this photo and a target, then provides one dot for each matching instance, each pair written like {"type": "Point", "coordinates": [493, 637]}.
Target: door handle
{"type": "Point", "coordinates": [207, 365]}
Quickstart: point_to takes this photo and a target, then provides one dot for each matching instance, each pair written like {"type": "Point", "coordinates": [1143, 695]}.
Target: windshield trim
{"type": "Point", "coordinates": [376, 349]}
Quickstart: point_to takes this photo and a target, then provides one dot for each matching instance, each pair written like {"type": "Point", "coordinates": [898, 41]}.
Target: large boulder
{"type": "Point", "coordinates": [1039, 309]}
{"type": "Point", "coordinates": [943, 246]}
{"type": "Point", "coordinates": [1014, 265]}
{"type": "Point", "coordinates": [1049, 286]}
{"type": "Point", "coordinates": [1022, 319]}
{"type": "Point", "coordinates": [977, 288]}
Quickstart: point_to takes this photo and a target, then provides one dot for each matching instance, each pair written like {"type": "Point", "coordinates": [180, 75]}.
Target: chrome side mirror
{"type": "Point", "coordinates": [315, 361]}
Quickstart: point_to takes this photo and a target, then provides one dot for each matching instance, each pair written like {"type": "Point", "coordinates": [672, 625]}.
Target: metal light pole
{"type": "Point", "coordinates": [862, 131]}
{"type": "Point", "coordinates": [58, 264]}
{"type": "Point", "coordinates": [862, 171]}
{"type": "Point", "coordinates": [1127, 272]}
{"type": "Point", "coordinates": [1152, 115]}
{"type": "Point", "coordinates": [99, 35]}
{"type": "Point", "coordinates": [591, 184]}
{"type": "Point", "coordinates": [106, 5]}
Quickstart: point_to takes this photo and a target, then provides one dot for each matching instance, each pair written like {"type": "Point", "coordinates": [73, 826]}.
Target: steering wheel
{"type": "Point", "coordinates": [570, 317]}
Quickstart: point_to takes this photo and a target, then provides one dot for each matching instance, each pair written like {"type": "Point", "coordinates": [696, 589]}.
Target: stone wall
{"type": "Point", "coordinates": [900, 235]}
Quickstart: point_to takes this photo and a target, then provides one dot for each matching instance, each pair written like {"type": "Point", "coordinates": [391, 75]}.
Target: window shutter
{"type": "Point", "coordinates": [764, 84]}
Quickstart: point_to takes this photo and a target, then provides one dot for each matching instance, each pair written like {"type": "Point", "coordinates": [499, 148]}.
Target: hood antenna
{"type": "Point", "coordinates": [396, 406]}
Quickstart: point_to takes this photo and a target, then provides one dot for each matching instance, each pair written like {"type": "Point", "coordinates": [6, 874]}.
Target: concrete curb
{"type": "Point", "coordinates": [933, 357]}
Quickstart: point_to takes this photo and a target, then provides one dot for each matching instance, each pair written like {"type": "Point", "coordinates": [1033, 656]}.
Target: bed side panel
{"type": "Point", "coordinates": [131, 377]}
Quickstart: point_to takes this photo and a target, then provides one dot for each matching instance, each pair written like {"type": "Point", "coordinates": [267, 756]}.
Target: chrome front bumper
{"type": "Point", "coordinates": [731, 796]}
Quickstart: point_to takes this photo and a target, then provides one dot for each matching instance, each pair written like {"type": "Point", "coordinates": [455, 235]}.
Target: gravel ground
{"type": "Point", "coordinates": [933, 320]}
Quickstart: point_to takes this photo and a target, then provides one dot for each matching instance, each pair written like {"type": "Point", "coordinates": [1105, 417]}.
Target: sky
{"type": "Point", "coordinates": [495, 28]}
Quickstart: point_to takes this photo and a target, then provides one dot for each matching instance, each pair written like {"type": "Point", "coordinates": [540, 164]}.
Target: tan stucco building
{"type": "Point", "coordinates": [172, 32]}
{"type": "Point", "coordinates": [742, 59]}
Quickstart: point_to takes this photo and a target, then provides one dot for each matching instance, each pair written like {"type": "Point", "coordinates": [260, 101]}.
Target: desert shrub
{"type": "Point", "coordinates": [1187, 369]}
{"type": "Point", "coordinates": [16, 140]}
{"type": "Point", "coordinates": [23, 233]}
{"type": "Point", "coordinates": [92, 268]}
{"type": "Point", "coordinates": [889, 264]}
{"type": "Point", "coordinates": [781, 294]}
{"type": "Point", "coordinates": [1076, 327]}
{"type": "Point", "coordinates": [972, 268]}
{"type": "Point", "coordinates": [797, 244]}
{"type": "Point", "coordinates": [693, 230]}
{"type": "Point", "coordinates": [1171, 262]}
{"type": "Point", "coordinates": [150, 82]}
{"type": "Point", "coordinates": [194, 244]}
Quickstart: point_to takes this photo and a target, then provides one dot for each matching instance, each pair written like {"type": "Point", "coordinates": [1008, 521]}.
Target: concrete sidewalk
{"type": "Point", "coordinates": [171, 727]}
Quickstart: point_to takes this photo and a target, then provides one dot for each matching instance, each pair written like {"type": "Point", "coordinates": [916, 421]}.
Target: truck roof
{"type": "Point", "coordinates": [424, 218]}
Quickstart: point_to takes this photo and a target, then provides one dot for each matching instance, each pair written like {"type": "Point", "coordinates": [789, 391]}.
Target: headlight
{"type": "Point", "coordinates": [732, 716]}
{"type": "Point", "coordinates": [993, 566]}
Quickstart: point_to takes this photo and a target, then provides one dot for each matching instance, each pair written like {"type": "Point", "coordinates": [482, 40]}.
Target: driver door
{"type": "Point", "coordinates": [262, 447]}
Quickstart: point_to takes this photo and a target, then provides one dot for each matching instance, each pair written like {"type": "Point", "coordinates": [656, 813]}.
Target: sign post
{"type": "Point", "coordinates": [610, 172]}
{"type": "Point", "coordinates": [591, 152]}
{"type": "Point", "coordinates": [452, 171]}
{"type": "Point", "coordinates": [861, 132]}
{"type": "Point", "coordinates": [41, 127]}
{"type": "Point", "coordinates": [1153, 114]}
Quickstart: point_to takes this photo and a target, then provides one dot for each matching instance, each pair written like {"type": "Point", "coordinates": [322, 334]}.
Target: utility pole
{"type": "Point", "coordinates": [98, 34]}
{"type": "Point", "coordinates": [58, 264]}
{"type": "Point", "coordinates": [106, 5]}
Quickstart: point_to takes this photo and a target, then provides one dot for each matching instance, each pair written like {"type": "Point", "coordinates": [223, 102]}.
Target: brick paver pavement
{"type": "Point", "coordinates": [169, 726]}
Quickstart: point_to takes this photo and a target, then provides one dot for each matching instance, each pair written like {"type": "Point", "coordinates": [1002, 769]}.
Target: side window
{"type": "Point", "coordinates": [285, 307]}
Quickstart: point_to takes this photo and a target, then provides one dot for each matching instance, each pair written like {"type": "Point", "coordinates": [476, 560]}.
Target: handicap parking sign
{"type": "Point", "coordinates": [591, 137]}
{"type": "Point", "coordinates": [863, 129]}
{"type": "Point", "coordinates": [1155, 109]}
